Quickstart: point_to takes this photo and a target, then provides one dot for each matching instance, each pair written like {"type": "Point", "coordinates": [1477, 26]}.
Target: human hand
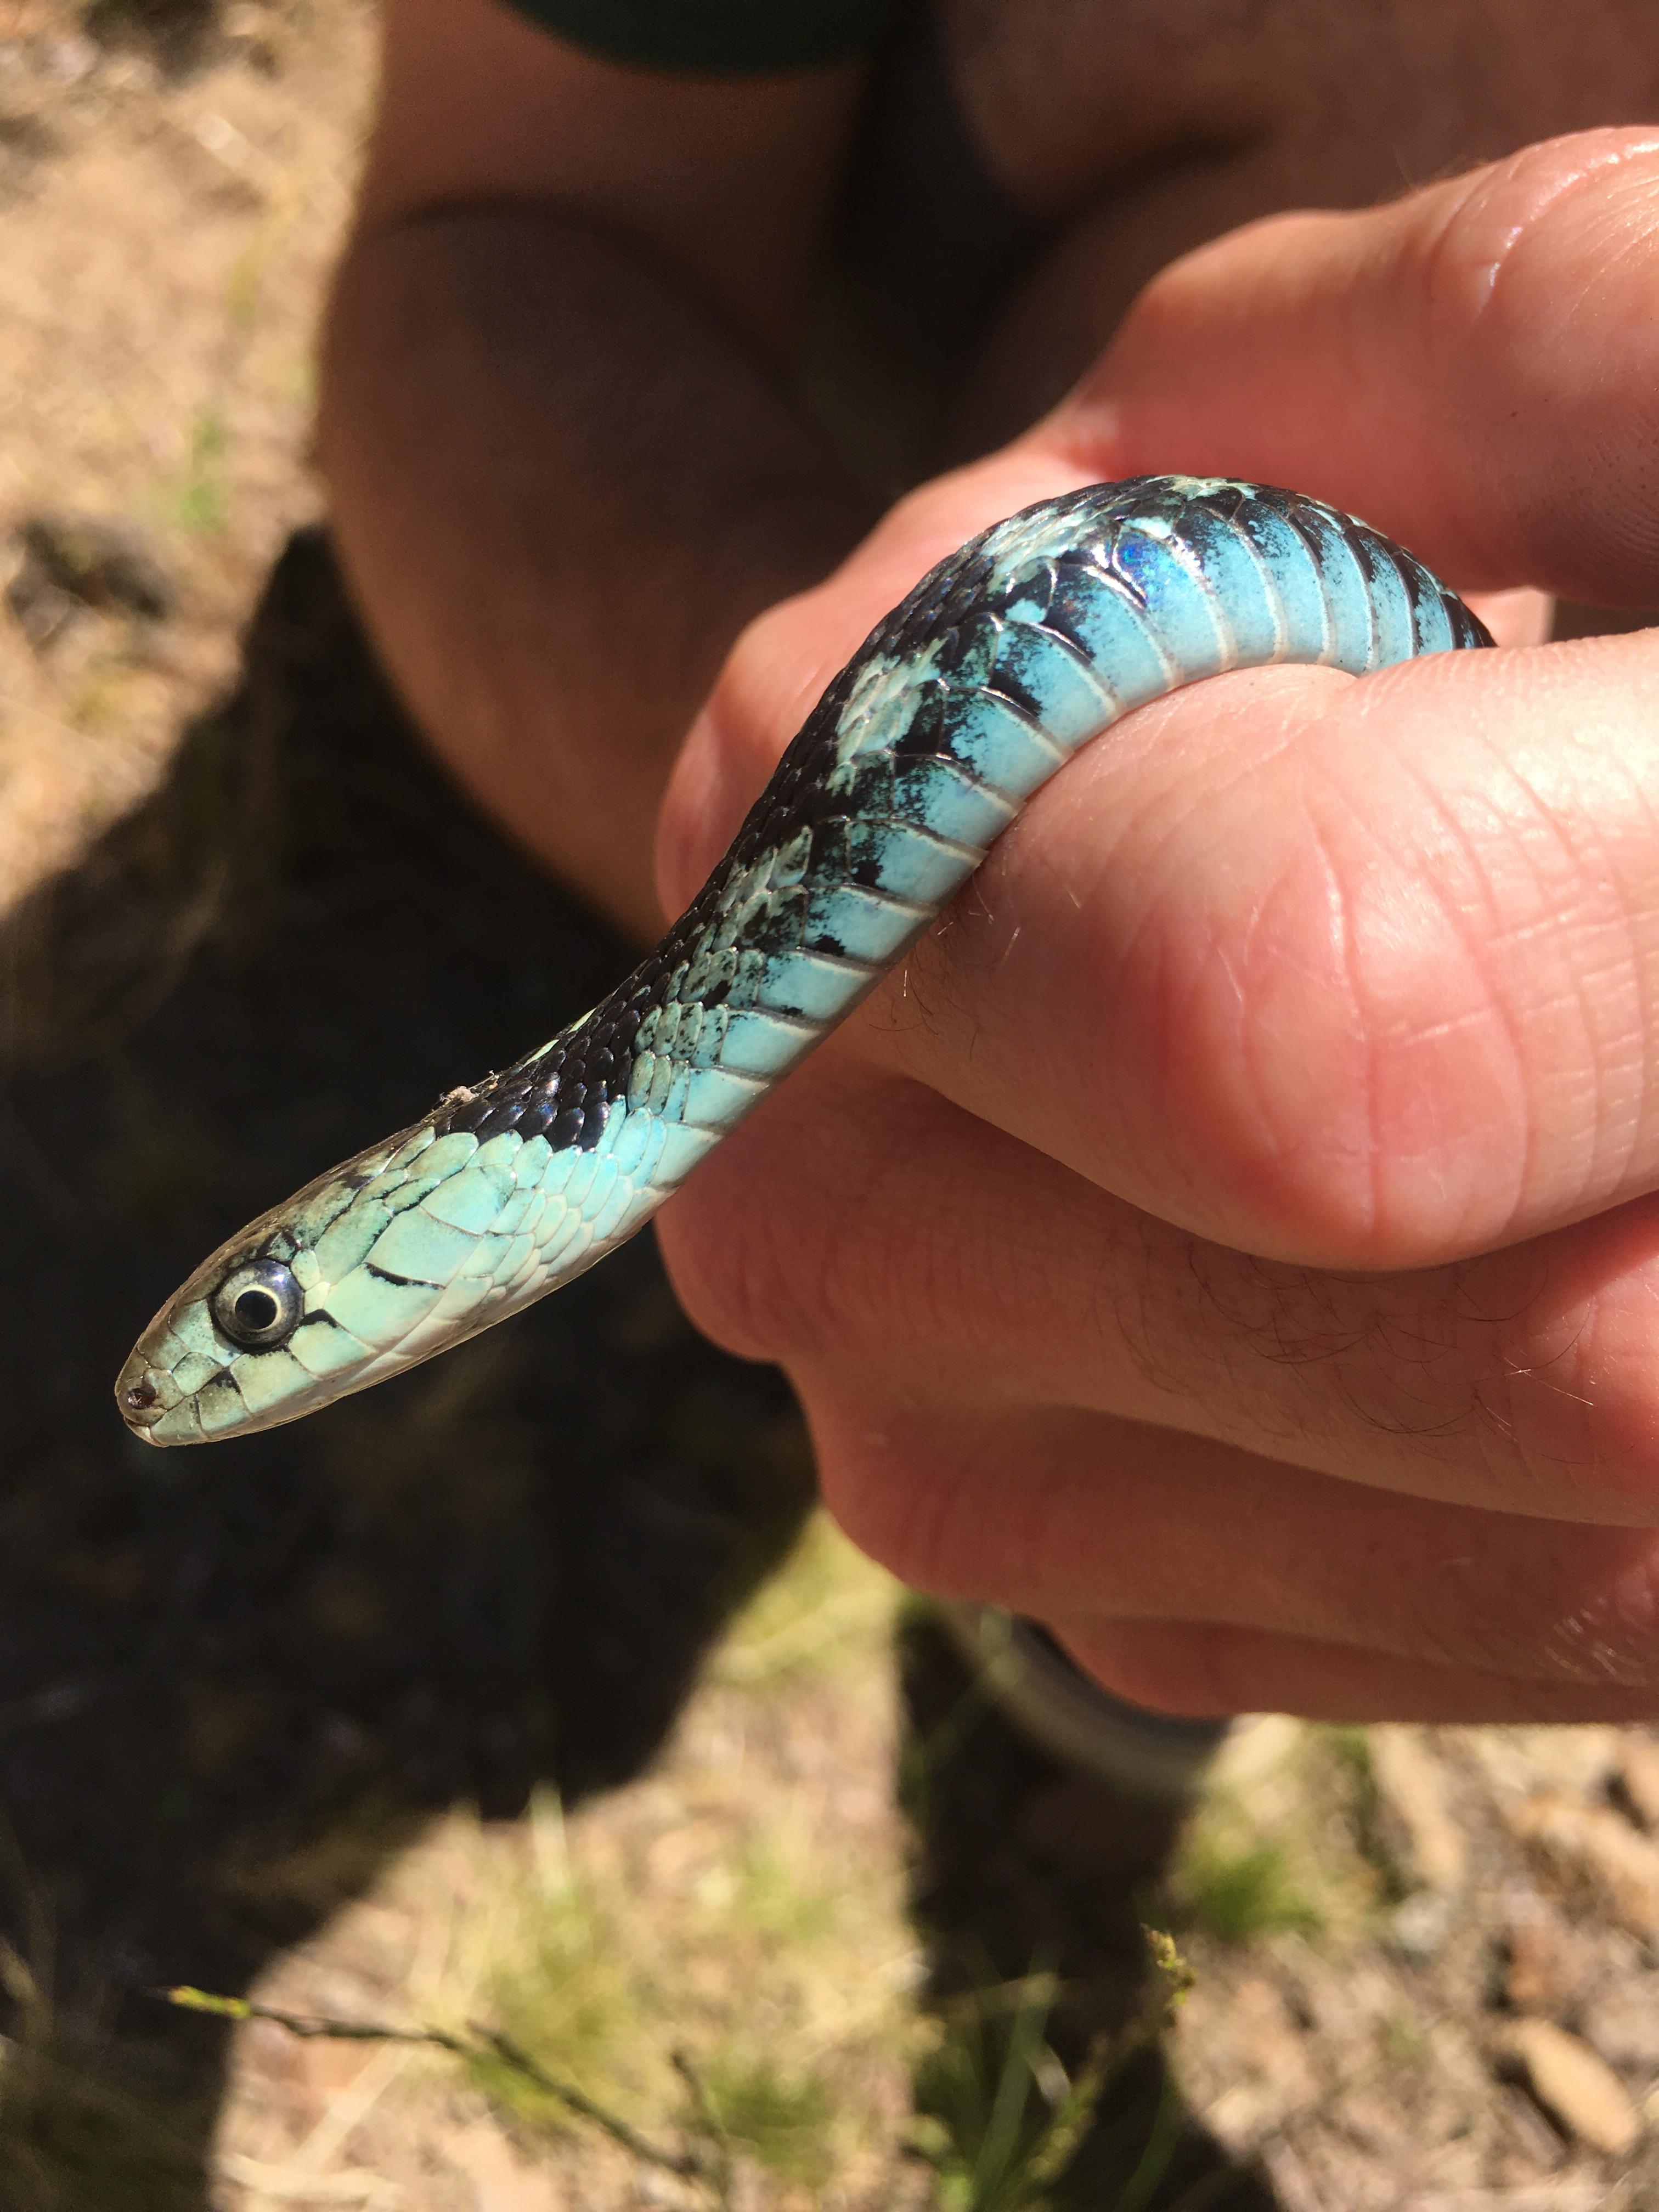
{"type": "Point", "coordinates": [1232, 1238]}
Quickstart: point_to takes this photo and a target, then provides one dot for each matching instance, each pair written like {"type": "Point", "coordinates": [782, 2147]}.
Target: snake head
{"type": "Point", "coordinates": [245, 1344]}
{"type": "Point", "coordinates": [364, 1272]}
{"type": "Point", "coordinates": [396, 1255]}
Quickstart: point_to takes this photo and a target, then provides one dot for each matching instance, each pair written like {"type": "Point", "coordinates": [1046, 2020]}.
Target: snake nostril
{"type": "Point", "coordinates": [142, 1396]}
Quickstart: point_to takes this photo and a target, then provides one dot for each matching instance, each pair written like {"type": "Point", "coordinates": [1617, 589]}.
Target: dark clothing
{"type": "Point", "coordinates": [928, 241]}
{"type": "Point", "coordinates": [724, 37]}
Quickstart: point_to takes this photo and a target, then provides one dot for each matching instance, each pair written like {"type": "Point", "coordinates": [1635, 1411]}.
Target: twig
{"type": "Point", "coordinates": [484, 2042]}
{"type": "Point", "coordinates": [690, 2165]}
{"type": "Point", "coordinates": [719, 2172]}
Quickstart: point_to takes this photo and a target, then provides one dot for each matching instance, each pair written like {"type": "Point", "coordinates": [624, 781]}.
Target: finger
{"type": "Point", "coordinates": [867, 1229]}
{"type": "Point", "coordinates": [1519, 617]}
{"type": "Point", "coordinates": [1066, 1516]}
{"type": "Point", "coordinates": [1473, 368]}
{"type": "Point", "coordinates": [1195, 1668]}
{"type": "Point", "coordinates": [1361, 975]}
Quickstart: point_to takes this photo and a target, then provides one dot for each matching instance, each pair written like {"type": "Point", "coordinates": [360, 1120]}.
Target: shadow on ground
{"type": "Point", "coordinates": [233, 1682]}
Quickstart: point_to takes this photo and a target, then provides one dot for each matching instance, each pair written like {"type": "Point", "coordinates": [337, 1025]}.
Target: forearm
{"type": "Point", "coordinates": [561, 485]}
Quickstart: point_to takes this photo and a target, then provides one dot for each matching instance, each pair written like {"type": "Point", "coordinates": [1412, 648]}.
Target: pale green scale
{"type": "Point", "coordinates": [610, 1217]}
{"type": "Point", "coordinates": [557, 1174]}
{"type": "Point", "coordinates": [195, 1368]}
{"type": "Point", "coordinates": [420, 1142]}
{"type": "Point", "coordinates": [314, 1215]}
{"type": "Point", "coordinates": [600, 1186]}
{"type": "Point", "coordinates": [634, 1140]}
{"type": "Point", "coordinates": [349, 1241]}
{"type": "Point", "coordinates": [565, 1234]}
{"type": "Point", "coordinates": [323, 1348]}
{"type": "Point", "coordinates": [879, 709]}
{"type": "Point", "coordinates": [681, 1148]}
{"type": "Point", "coordinates": [663, 1074]}
{"type": "Point", "coordinates": [380, 1312]}
{"type": "Point", "coordinates": [462, 1296]}
{"type": "Point", "coordinates": [868, 928]}
{"type": "Point", "coordinates": [472, 1198]}
{"type": "Point", "coordinates": [485, 1257]}
{"type": "Point", "coordinates": [420, 1248]}
{"type": "Point", "coordinates": [812, 984]}
{"type": "Point", "coordinates": [414, 1189]}
{"type": "Point", "coordinates": [581, 1175]}
{"type": "Point", "coordinates": [265, 1378]}
{"type": "Point", "coordinates": [218, 1407]}
{"type": "Point", "coordinates": [519, 1250]}
{"type": "Point", "coordinates": [514, 1213]}
{"type": "Point", "coordinates": [648, 1168]}
{"type": "Point", "coordinates": [760, 1043]}
{"type": "Point", "coordinates": [450, 1153]}
{"type": "Point", "coordinates": [195, 1329]}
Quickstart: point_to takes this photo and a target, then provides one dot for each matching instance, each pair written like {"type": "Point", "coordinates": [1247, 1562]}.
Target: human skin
{"type": "Point", "coordinates": [1231, 1238]}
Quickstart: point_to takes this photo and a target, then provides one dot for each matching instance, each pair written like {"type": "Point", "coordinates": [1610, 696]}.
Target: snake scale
{"type": "Point", "coordinates": [1022, 645]}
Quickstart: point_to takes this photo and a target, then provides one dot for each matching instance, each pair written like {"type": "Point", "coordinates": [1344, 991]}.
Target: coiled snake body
{"type": "Point", "coordinates": [1028, 641]}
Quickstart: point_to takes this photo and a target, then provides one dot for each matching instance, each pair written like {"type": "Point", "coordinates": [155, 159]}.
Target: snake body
{"type": "Point", "coordinates": [1030, 640]}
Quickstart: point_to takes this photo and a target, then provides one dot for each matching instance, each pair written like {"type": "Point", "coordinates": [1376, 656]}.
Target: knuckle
{"type": "Point", "coordinates": [1531, 278]}
{"type": "Point", "coordinates": [1471, 234]}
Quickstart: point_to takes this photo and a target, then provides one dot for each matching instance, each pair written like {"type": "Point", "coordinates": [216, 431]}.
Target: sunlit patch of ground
{"type": "Point", "coordinates": [163, 243]}
{"type": "Point", "coordinates": [741, 1906]}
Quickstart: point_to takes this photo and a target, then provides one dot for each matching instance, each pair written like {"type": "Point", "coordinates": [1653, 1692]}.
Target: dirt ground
{"type": "Point", "coordinates": [481, 1705]}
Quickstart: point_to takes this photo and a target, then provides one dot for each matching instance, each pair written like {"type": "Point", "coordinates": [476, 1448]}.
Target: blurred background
{"type": "Point", "coordinates": [527, 1697]}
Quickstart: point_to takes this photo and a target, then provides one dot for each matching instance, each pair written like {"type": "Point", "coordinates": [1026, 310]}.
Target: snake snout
{"type": "Point", "coordinates": [139, 1398]}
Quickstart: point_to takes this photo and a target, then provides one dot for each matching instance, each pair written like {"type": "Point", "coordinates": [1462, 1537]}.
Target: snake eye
{"type": "Point", "coordinates": [258, 1306]}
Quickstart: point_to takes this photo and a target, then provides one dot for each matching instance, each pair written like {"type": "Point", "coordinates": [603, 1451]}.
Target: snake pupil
{"type": "Point", "coordinates": [256, 1310]}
